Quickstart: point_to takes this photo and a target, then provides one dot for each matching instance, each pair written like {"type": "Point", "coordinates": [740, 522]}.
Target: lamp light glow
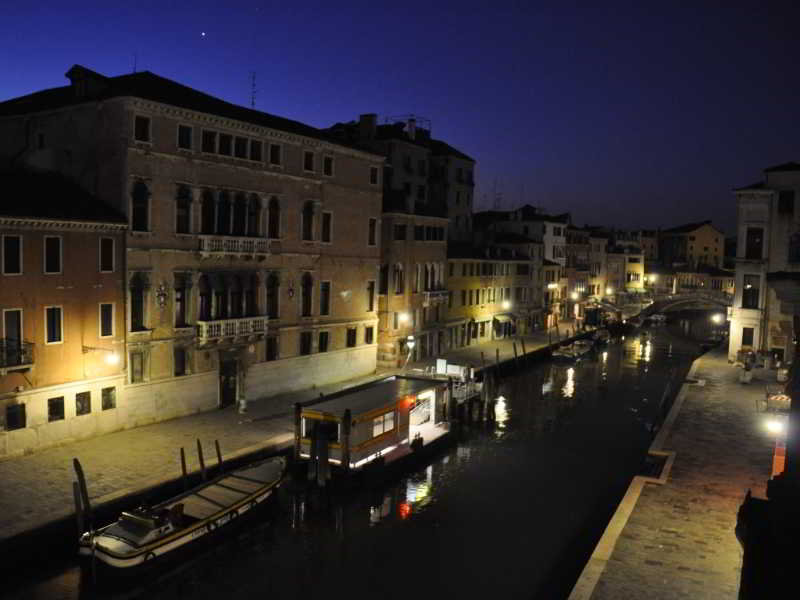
{"type": "Point", "coordinates": [506, 304]}
{"type": "Point", "coordinates": [609, 290]}
{"type": "Point", "coordinates": [404, 317]}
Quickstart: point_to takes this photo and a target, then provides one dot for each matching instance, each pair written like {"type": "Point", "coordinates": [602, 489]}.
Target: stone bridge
{"type": "Point", "coordinates": [694, 300]}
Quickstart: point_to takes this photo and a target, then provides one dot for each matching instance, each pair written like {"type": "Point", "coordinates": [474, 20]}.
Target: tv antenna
{"type": "Point", "coordinates": [253, 89]}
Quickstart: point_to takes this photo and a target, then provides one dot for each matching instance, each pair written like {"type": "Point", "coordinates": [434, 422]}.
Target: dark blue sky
{"type": "Point", "coordinates": [624, 115]}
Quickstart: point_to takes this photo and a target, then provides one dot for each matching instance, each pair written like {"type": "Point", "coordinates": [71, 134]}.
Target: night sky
{"type": "Point", "coordinates": [623, 115]}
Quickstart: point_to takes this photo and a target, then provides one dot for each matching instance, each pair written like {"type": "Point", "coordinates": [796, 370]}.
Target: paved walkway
{"type": "Point", "coordinates": [679, 541]}
{"type": "Point", "coordinates": [37, 488]}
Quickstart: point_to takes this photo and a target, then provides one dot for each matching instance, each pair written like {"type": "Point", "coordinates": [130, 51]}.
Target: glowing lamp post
{"type": "Point", "coordinates": [506, 305]}
{"type": "Point", "coordinates": [410, 343]}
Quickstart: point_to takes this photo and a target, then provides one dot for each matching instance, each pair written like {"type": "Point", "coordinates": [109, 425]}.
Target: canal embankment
{"type": "Point", "coordinates": [672, 535]}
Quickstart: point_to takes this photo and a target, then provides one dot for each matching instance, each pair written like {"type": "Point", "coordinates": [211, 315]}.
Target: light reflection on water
{"type": "Point", "coordinates": [505, 505]}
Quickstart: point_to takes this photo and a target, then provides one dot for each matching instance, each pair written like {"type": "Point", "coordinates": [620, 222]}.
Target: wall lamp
{"type": "Point", "coordinates": [112, 358]}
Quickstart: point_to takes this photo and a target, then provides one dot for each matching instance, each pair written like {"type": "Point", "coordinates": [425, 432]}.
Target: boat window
{"type": "Point", "coordinates": [382, 424]}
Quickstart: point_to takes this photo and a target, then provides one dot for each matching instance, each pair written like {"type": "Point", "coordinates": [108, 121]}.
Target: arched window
{"type": "Point", "coordinates": [308, 221]}
{"type": "Point", "coordinates": [240, 215]}
{"type": "Point", "coordinates": [398, 279]}
{"type": "Point", "coordinates": [207, 212]}
{"type": "Point", "coordinates": [307, 290]}
{"type": "Point", "coordinates": [274, 225]}
{"type": "Point", "coordinates": [273, 290]}
{"type": "Point", "coordinates": [427, 278]}
{"type": "Point", "coordinates": [183, 210]}
{"type": "Point", "coordinates": [253, 215]}
{"type": "Point", "coordinates": [224, 214]}
{"type": "Point", "coordinates": [237, 297]}
{"type": "Point", "coordinates": [140, 207]}
{"type": "Point", "coordinates": [417, 278]}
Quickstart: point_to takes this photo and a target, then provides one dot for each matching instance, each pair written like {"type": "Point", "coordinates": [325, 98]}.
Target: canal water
{"type": "Point", "coordinates": [511, 511]}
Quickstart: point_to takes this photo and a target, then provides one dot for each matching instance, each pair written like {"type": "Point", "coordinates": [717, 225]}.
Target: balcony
{"type": "Point", "coordinates": [431, 297]}
{"type": "Point", "coordinates": [15, 356]}
{"type": "Point", "coordinates": [217, 246]}
{"type": "Point", "coordinates": [244, 328]}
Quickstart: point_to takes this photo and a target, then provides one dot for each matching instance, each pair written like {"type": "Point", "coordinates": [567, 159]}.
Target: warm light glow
{"type": "Point", "coordinates": [775, 426]}
{"type": "Point", "coordinates": [506, 304]}
{"type": "Point", "coordinates": [500, 413]}
{"type": "Point", "coordinates": [404, 317]}
{"type": "Point", "coordinates": [404, 510]}
{"type": "Point", "coordinates": [717, 318]}
{"type": "Point", "coordinates": [609, 290]}
{"type": "Point", "coordinates": [653, 278]}
{"type": "Point", "coordinates": [574, 295]}
{"type": "Point", "coordinates": [410, 342]}
{"type": "Point", "coordinates": [568, 391]}
{"type": "Point", "coordinates": [605, 356]}
{"type": "Point", "coordinates": [112, 358]}
{"type": "Point", "coordinates": [552, 286]}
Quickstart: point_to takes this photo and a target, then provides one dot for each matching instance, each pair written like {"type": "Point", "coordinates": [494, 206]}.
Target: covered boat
{"type": "Point", "coordinates": [147, 533]}
{"type": "Point", "coordinates": [574, 351]}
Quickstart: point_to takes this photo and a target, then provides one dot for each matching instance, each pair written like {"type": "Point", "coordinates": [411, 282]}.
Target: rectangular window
{"type": "Point", "coordinates": [786, 202]}
{"type": "Point", "coordinates": [323, 341]}
{"type": "Point", "coordinates": [53, 324]}
{"type": "Point", "coordinates": [325, 298]}
{"type": "Point", "coordinates": [55, 409]}
{"type": "Point", "coordinates": [106, 255]}
{"type": "Point", "coordinates": [106, 319]}
{"type": "Point", "coordinates": [179, 361]}
{"type": "Point", "coordinates": [272, 348]}
{"type": "Point", "coordinates": [52, 255]}
{"type": "Point", "coordinates": [370, 296]}
{"type": "Point", "coordinates": [12, 255]}
{"type": "Point", "coordinates": [327, 225]}
{"type": "Point", "coordinates": [209, 142]}
{"type": "Point", "coordinates": [182, 215]}
{"type": "Point", "coordinates": [240, 147]}
{"type": "Point", "coordinates": [305, 343]}
{"type": "Point", "coordinates": [137, 309]}
{"type": "Point", "coordinates": [327, 166]}
{"type": "Point", "coordinates": [108, 398]}
{"type": "Point", "coordinates": [754, 243]}
{"type": "Point", "coordinates": [369, 335]}
{"type": "Point", "coordinates": [419, 233]}
{"type": "Point", "coordinates": [351, 337]}
{"type": "Point", "coordinates": [373, 175]}
{"type": "Point", "coordinates": [399, 232]}
{"type": "Point", "coordinates": [83, 403]}
{"type": "Point", "coordinates": [382, 424]}
{"type": "Point", "coordinates": [747, 336]}
{"type": "Point", "coordinates": [372, 232]}
{"type": "Point", "coordinates": [15, 417]}
{"type": "Point", "coordinates": [225, 144]}
{"type": "Point", "coordinates": [308, 161]}
{"type": "Point", "coordinates": [137, 367]}
{"type": "Point", "coordinates": [750, 291]}
{"type": "Point", "coordinates": [275, 154]}
{"type": "Point", "coordinates": [463, 297]}
{"type": "Point", "coordinates": [255, 150]}
{"type": "Point", "coordinates": [141, 129]}
{"type": "Point", "coordinates": [184, 137]}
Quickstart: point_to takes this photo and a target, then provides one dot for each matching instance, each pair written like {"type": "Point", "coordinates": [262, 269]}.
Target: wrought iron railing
{"type": "Point", "coordinates": [231, 328]}
{"type": "Point", "coordinates": [15, 353]}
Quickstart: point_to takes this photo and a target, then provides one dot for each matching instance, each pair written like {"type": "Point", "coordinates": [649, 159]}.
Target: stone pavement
{"type": "Point", "coordinates": [37, 488]}
{"type": "Point", "coordinates": [679, 541]}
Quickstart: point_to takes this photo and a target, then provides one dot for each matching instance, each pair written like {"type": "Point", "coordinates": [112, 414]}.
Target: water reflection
{"type": "Point", "coordinates": [568, 391]}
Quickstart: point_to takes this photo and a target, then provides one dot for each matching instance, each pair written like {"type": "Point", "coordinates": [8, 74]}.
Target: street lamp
{"type": "Point", "coordinates": [717, 318]}
{"type": "Point", "coordinates": [506, 305]}
{"type": "Point", "coordinates": [112, 358]}
{"type": "Point", "coordinates": [609, 291]}
{"type": "Point", "coordinates": [404, 317]}
{"type": "Point", "coordinates": [574, 295]}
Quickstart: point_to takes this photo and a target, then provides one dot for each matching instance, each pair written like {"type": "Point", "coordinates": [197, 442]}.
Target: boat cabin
{"type": "Point", "coordinates": [384, 418]}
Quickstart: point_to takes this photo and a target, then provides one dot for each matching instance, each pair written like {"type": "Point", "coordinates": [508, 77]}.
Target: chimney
{"type": "Point", "coordinates": [366, 126]}
{"type": "Point", "coordinates": [86, 83]}
{"type": "Point", "coordinates": [412, 128]}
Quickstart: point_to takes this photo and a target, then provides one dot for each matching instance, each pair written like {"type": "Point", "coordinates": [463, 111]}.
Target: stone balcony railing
{"type": "Point", "coordinates": [228, 329]}
{"type": "Point", "coordinates": [430, 297]}
{"type": "Point", "coordinates": [226, 245]}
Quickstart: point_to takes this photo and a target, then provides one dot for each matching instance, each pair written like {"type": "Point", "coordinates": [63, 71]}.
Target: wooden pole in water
{"type": "Point", "coordinates": [200, 458]}
{"type": "Point", "coordinates": [522, 341]}
{"type": "Point", "coordinates": [219, 457]}
{"type": "Point", "coordinates": [76, 496]}
{"type": "Point", "coordinates": [86, 507]}
{"type": "Point", "coordinates": [497, 357]}
{"type": "Point", "coordinates": [184, 474]}
{"type": "Point", "coordinates": [298, 410]}
{"type": "Point", "coordinates": [347, 421]}
{"type": "Point", "coordinates": [516, 358]}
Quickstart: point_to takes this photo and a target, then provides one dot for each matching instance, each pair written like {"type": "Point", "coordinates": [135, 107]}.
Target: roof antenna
{"type": "Point", "coordinates": [252, 89]}
{"type": "Point", "coordinates": [135, 60]}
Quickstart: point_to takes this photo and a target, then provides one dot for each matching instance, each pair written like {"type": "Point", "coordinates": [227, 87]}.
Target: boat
{"type": "Point", "coordinates": [573, 352]}
{"type": "Point", "coordinates": [658, 319]}
{"type": "Point", "coordinates": [601, 336]}
{"type": "Point", "coordinates": [147, 533]}
{"type": "Point", "coordinates": [634, 322]}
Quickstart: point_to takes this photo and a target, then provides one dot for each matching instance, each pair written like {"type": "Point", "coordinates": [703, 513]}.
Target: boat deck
{"type": "Point", "coordinates": [226, 491]}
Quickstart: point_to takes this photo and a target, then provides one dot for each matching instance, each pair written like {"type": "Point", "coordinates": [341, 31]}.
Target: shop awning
{"type": "Point", "coordinates": [503, 318]}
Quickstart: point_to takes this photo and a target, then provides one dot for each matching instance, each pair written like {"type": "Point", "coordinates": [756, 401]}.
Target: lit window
{"type": "Point", "coordinates": [382, 424]}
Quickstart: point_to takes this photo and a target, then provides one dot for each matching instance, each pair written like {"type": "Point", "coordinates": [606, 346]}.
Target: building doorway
{"type": "Point", "coordinates": [228, 381]}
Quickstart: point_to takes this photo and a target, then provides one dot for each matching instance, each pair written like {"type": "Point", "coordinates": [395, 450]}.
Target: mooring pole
{"type": "Point", "coordinates": [298, 409]}
{"type": "Point", "coordinates": [524, 351]}
{"type": "Point", "coordinates": [516, 358]}
{"type": "Point", "coordinates": [184, 474]}
{"type": "Point", "coordinates": [219, 457]}
{"type": "Point", "coordinates": [200, 458]}
{"type": "Point", "coordinates": [76, 496]}
{"type": "Point", "coordinates": [347, 422]}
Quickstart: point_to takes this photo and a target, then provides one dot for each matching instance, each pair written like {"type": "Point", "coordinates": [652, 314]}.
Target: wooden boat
{"type": "Point", "coordinates": [573, 352]}
{"type": "Point", "coordinates": [601, 336]}
{"type": "Point", "coordinates": [147, 533]}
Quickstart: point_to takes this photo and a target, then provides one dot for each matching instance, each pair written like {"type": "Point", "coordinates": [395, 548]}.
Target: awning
{"type": "Point", "coordinates": [503, 318]}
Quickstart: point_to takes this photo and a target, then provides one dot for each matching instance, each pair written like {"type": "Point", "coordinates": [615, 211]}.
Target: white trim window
{"type": "Point", "coordinates": [12, 255]}
{"type": "Point", "coordinates": [53, 325]}
{"type": "Point", "coordinates": [383, 424]}
{"type": "Point", "coordinates": [53, 259]}
{"type": "Point", "coordinates": [106, 320]}
{"type": "Point", "coordinates": [106, 254]}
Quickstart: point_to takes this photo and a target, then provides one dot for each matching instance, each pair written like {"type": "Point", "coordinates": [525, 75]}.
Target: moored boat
{"type": "Point", "coordinates": [572, 352]}
{"type": "Point", "coordinates": [601, 336]}
{"type": "Point", "coordinates": [147, 533]}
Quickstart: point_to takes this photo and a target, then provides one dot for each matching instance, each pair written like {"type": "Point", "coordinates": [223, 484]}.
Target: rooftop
{"type": "Point", "coordinates": [787, 166]}
{"type": "Point", "coordinates": [41, 195]}
{"type": "Point", "coordinates": [688, 228]}
{"type": "Point", "coordinates": [375, 395]}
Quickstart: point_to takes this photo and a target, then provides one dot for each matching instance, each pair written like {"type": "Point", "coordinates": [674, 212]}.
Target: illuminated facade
{"type": "Point", "coordinates": [62, 304]}
{"type": "Point", "coordinates": [692, 245]}
{"type": "Point", "coordinates": [253, 242]}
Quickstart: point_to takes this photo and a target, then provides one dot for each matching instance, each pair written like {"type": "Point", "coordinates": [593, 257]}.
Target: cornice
{"type": "Point", "coordinates": [50, 224]}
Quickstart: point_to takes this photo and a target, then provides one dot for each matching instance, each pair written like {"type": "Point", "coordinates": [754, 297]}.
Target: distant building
{"type": "Point", "coordinates": [767, 264]}
{"type": "Point", "coordinates": [62, 302]}
{"type": "Point", "coordinates": [692, 244]}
